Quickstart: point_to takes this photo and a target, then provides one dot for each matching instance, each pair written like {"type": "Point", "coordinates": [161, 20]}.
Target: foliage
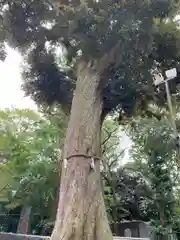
{"type": "Point", "coordinates": [125, 187]}
{"type": "Point", "coordinates": [30, 146]}
{"type": "Point", "coordinates": [111, 159]}
{"type": "Point", "coordinates": [147, 187]}
{"type": "Point", "coordinates": [156, 148]}
{"type": "Point", "coordinates": [99, 31]}
{"type": "Point", "coordinates": [110, 143]}
{"type": "Point", "coordinates": [126, 195]}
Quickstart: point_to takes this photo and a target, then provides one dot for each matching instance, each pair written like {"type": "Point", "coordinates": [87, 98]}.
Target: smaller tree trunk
{"type": "Point", "coordinates": [23, 226]}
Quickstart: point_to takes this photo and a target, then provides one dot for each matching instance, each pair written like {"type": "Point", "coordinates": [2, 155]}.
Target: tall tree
{"type": "Point", "coordinates": [105, 72]}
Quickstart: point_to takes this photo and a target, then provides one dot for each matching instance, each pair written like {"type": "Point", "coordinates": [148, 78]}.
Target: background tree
{"type": "Point", "coordinates": [30, 144]}
{"type": "Point", "coordinates": [126, 184]}
{"type": "Point", "coordinates": [104, 73]}
{"type": "Point", "coordinates": [156, 147]}
{"type": "Point", "coordinates": [112, 159]}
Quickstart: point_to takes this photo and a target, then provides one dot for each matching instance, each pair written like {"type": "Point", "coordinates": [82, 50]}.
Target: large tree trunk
{"type": "Point", "coordinates": [23, 225]}
{"type": "Point", "coordinates": [81, 211]}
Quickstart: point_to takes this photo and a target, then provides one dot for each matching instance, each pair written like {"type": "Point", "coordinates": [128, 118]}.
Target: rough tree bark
{"type": "Point", "coordinates": [23, 225]}
{"type": "Point", "coordinates": [81, 211]}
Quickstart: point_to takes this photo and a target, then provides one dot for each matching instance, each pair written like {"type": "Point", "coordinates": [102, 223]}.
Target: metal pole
{"type": "Point", "coordinates": [170, 107]}
{"type": "Point", "coordinates": [172, 113]}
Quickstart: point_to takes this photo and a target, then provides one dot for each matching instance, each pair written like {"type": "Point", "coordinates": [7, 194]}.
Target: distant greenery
{"type": "Point", "coordinates": [155, 153]}
{"type": "Point", "coordinates": [30, 147]}
{"type": "Point", "coordinates": [146, 188]}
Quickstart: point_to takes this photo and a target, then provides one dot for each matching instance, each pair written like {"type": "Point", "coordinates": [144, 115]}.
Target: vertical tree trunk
{"type": "Point", "coordinates": [23, 225]}
{"type": "Point", "coordinates": [81, 211]}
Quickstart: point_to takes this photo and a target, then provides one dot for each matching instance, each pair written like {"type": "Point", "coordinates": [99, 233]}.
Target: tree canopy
{"type": "Point", "coordinates": [124, 40]}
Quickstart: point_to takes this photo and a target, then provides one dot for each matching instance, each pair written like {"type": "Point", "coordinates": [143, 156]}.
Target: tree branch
{"type": "Point", "coordinates": [117, 157]}
{"type": "Point", "coordinates": [109, 58]}
{"type": "Point", "coordinates": [2, 189]}
{"type": "Point", "coordinates": [109, 135]}
{"type": "Point", "coordinates": [106, 148]}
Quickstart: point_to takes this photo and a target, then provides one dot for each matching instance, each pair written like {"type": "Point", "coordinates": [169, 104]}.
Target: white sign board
{"type": "Point", "coordinates": [172, 73]}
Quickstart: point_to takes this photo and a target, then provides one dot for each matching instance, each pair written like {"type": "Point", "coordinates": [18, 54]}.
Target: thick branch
{"type": "Point", "coordinates": [152, 114]}
{"type": "Point", "coordinates": [109, 58]}
{"type": "Point", "coordinates": [58, 5]}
